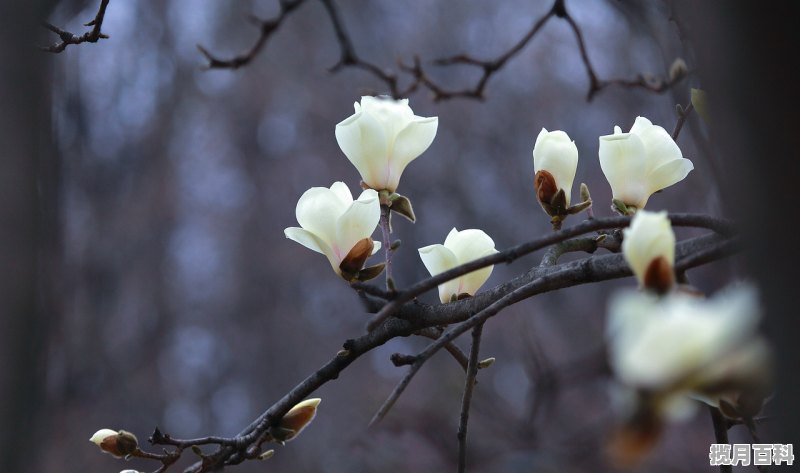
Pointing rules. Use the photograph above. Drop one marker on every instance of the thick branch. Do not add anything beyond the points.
(67, 38)
(466, 314)
(719, 225)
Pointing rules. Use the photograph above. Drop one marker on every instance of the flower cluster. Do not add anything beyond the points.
(380, 140)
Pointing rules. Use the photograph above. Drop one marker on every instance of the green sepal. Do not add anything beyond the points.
(371, 272)
(402, 206)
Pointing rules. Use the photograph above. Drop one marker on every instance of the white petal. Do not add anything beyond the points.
(622, 159)
(310, 241)
(393, 115)
(317, 211)
(438, 259)
(376, 247)
(659, 146)
(539, 137)
(468, 245)
(357, 223)
(341, 191)
(363, 140)
(410, 142)
(101, 435)
(669, 174)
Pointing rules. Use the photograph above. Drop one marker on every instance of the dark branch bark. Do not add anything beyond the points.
(469, 385)
(67, 38)
(466, 314)
(266, 28)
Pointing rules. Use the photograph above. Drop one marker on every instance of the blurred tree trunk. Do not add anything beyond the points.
(27, 224)
(748, 60)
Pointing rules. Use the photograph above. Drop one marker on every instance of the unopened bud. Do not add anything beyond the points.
(486, 363)
(119, 444)
(677, 70)
(266, 455)
(298, 418)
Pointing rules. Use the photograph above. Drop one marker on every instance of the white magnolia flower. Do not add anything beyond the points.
(641, 162)
(649, 249)
(680, 344)
(555, 154)
(459, 248)
(337, 226)
(382, 137)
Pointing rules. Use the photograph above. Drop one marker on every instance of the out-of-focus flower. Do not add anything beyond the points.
(667, 351)
(459, 248)
(640, 162)
(555, 161)
(337, 226)
(649, 249)
(298, 418)
(382, 137)
(681, 344)
(117, 443)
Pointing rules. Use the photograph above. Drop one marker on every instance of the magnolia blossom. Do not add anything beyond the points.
(555, 161)
(382, 137)
(649, 249)
(641, 162)
(677, 345)
(337, 226)
(459, 248)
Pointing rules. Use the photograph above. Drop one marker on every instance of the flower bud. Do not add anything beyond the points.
(382, 138)
(119, 444)
(649, 249)
(640, 163)
(298, 418)
(555, 162)
(459, 248)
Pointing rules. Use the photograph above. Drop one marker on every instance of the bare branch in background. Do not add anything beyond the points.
(417, 73)
(67, 38)
(266, 27)
(469, 385)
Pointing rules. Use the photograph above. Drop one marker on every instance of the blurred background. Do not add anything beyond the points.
(174, 300)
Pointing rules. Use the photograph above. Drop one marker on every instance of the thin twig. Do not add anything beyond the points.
(266, 28)
(469, 385)
(386, 230)
(682, 116)
(67, 38)
(434, 333)
(720, 434)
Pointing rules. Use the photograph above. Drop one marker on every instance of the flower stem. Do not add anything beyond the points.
(386, 229)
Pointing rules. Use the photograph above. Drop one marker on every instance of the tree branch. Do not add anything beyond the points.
(537, 281)
(469, 385)
(719, 225)
(67, 38)
(464, 315)
(348, 57)
(266, 28)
